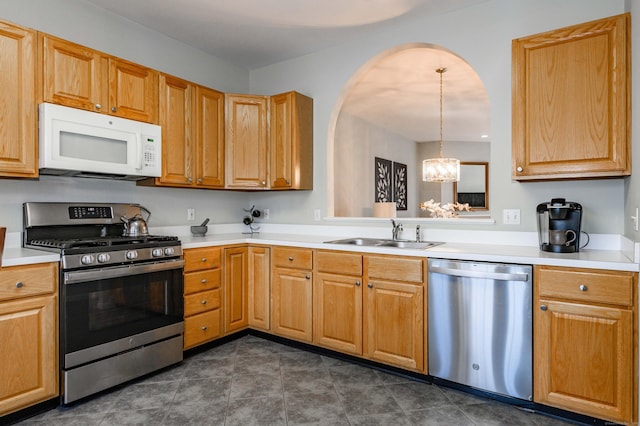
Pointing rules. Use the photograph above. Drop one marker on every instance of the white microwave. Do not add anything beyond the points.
(74, 142)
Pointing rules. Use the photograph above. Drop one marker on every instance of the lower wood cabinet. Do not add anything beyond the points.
(28, 336)
(202, 295)
(235, 288)
(292, 293)
(259, 288)
(585, 333)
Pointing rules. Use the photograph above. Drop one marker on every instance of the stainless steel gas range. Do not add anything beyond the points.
(120, 297)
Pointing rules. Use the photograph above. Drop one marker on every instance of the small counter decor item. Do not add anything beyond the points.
(449, 210)
(200, 230)
(248, 220)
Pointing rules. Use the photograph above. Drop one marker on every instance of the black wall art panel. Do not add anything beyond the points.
(390, 182)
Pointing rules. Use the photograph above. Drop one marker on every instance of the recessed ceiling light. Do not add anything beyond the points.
(484, 136)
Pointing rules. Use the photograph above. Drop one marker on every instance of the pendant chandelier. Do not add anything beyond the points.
(441, 169)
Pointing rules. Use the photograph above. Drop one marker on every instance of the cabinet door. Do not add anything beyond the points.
(133, 91)
(337, 308)
(209, 137)
(28, 353)
(177, 141)
(292, 314)
(583, 359)
(394, 323)
(259, 288)
(235, 290)
(246, 139)
(18, 121)
(571, 102)
(291, 141)
(73, 75)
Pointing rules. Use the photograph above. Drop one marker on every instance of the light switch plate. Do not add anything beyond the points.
(511, 216)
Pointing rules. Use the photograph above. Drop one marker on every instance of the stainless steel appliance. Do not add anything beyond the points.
(559, 226)
(120, 298)
(480, 325)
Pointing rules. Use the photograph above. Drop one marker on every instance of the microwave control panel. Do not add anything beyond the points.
(150, 152)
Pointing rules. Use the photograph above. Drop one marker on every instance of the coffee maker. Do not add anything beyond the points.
(559, 226)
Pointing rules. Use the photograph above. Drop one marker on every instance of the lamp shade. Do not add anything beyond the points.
(441, 170)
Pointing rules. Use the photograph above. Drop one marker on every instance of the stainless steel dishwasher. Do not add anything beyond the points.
(480, 325)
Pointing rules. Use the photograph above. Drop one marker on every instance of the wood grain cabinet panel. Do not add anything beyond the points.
(259, 287)
(18, 121)
(571, 102)
(584, 357)
(29, 335)
(235, 288)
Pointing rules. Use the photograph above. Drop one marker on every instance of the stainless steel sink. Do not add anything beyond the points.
(377, 242)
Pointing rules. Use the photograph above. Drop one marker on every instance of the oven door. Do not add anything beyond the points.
(110, 310)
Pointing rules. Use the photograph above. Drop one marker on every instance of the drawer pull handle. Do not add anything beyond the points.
(19, 284)
(204, 259)
(204, 302)
(543, 307)
(357, 283)
(583, 287)
(204, 281)
(204, 328)
(290, 258)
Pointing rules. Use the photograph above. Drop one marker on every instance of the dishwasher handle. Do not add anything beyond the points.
(502, 276)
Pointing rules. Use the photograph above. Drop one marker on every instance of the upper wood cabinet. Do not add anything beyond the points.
(246, 141)
(291, 141)
(269, 141)
(18, 121)
(79, 77)
(571, 102)
(192, 120)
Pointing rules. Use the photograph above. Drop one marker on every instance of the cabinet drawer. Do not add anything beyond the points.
(394, 268)
(296, 258)
(202, 280)
(339, 262)
(201, 302)
(29, 280)
(201, 328)
(596, 286)
(201, 258)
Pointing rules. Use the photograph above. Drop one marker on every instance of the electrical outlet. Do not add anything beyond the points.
(191, 214)
(317, 214)
(265, 214)
(511, 216)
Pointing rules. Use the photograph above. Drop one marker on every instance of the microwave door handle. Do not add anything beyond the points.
(139, 151)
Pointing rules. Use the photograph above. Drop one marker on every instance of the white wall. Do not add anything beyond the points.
(482, 36)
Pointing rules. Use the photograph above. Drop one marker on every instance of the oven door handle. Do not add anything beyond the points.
(75, 277)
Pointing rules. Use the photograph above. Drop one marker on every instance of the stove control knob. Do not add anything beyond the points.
(168, 251)
(87, 259)
(103, 257)
(157, 252)
(132, 255)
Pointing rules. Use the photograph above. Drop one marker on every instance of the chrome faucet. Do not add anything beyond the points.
(397, 228)
(418, 236)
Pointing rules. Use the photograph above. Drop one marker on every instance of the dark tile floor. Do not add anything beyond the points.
(252, 381)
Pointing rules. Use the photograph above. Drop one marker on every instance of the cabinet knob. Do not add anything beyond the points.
(370, 285)
(199, 180)
(287, 181)
(543, 307)
(290, 258)
(204, 281)
(264, 183)
(114, 109)
(204, 302)
(583, 287)
(357, 283)
(189, 179)
(519, 169)
(19, 284)
(204, 328)
(308, 276)
(204, 259)
(98, 106)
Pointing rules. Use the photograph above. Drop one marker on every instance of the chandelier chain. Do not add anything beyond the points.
(441, 71)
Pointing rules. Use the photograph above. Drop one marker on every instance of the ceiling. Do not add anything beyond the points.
(256, 33)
